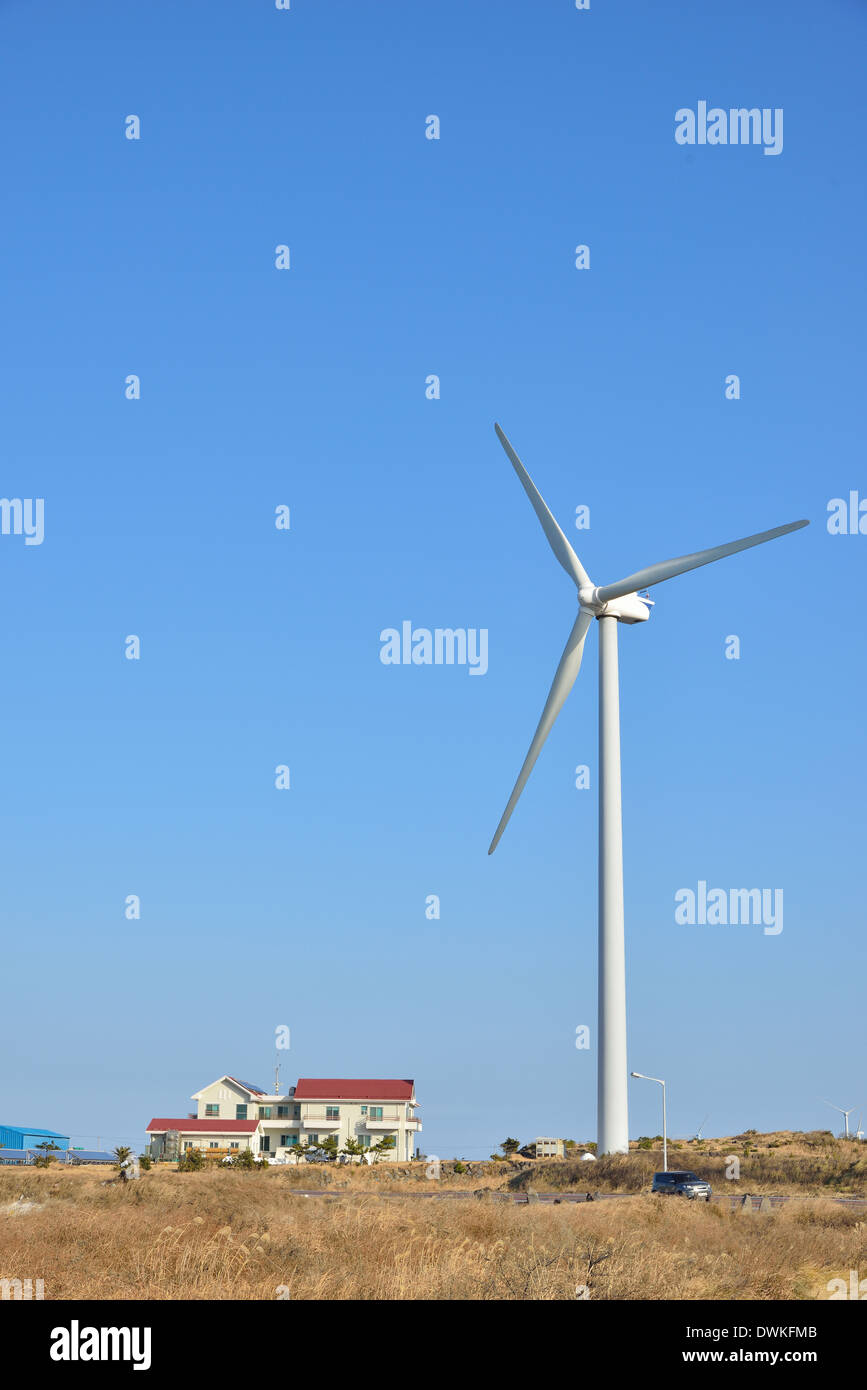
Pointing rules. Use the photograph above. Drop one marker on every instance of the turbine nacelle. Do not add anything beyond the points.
(628, 608)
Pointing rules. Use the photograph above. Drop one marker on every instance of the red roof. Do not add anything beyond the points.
(330, 1088)
(210, 1126)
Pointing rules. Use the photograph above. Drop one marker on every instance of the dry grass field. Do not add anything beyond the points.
(218, 1234)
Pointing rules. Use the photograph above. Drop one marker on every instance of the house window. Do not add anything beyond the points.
(212, 1109)
(287, 1140)
(376, 1112)
(296, 1112)
(188, 1143)
(265, 1143)
(364, 1109)
(332, 1112)
(282, 1112)
(264, 1112)
(240, 1112)
(212, 1143)
(234, 1144)
(314, 1138)
(365, 1141)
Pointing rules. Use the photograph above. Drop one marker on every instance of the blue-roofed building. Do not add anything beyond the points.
(88, 1156)
(30, 1137)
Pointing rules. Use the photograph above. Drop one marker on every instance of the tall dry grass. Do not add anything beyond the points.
(222, 1235)
(839, 1170)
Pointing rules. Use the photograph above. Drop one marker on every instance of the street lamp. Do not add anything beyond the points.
(641, 1077)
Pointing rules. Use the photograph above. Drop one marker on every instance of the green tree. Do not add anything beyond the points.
(47, 1148)
(383, 1146)
(510, 1146)
(242, 1158)
(145, 1162)
(328, 1146)
(353, 1147)
(192, 1161)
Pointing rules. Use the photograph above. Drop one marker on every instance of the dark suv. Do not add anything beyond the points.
(682, 1184)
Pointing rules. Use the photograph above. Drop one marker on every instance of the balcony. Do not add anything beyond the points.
(391, 1119)
(319, 1121)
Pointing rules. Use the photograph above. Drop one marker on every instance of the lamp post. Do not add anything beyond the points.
(641, 1077)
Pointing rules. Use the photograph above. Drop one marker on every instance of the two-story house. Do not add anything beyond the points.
(232, 1114)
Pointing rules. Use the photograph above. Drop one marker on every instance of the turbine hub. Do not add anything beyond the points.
(588, 601)
(628, 608)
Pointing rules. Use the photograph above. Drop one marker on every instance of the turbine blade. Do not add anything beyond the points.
(570, 665)
(557, 541)
(667, 569)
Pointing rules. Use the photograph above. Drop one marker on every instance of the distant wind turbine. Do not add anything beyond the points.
(844, 1113)
(611, 604)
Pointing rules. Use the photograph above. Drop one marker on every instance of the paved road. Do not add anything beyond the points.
(458, 1195)
(736, 1200)
(553, 1198)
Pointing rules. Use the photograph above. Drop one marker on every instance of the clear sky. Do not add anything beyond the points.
(306, 387)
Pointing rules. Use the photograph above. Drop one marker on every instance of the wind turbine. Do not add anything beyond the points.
(611, 604)
(844, 1113)
(697, 1134)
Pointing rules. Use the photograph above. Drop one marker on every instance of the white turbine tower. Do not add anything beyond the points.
(844, 1113)
(611, 604)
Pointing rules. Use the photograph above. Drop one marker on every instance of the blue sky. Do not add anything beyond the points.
(306, 387)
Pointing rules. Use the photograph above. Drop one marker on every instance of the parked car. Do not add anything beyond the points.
(682, 1184)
